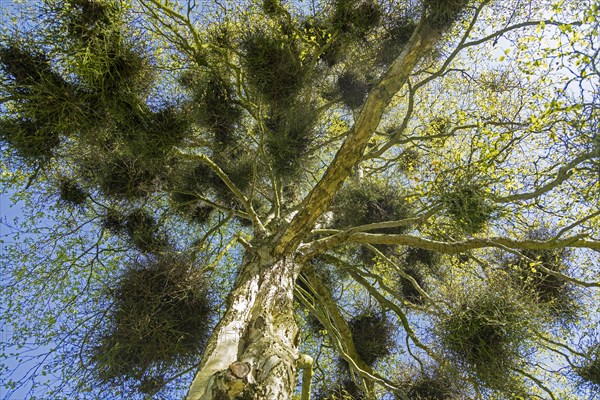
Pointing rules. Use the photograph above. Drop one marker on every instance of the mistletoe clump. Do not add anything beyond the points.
(373, 336)
(30, 140)
(417, 256)
(469, 207)
(108, 62)
(192, 182)
(113, 221)
(417, 264)
(343, 389)
(443, 13)
(538, 273)
(121, 174)
(139, 227)
(397, 35)
(407, 286)
(48, 107)
(142, 230)
(217, 109)
(160, 318)
(70, 192)
(23, 67)
(87, 18)
(353, 89)
(289, 138)
(271, 7)
(166, 128)
(273, 65)
(485, 333)
(356, 17)
(239, 166)
(429, 384)
(368, 202)
(589, 370)
(131, 164)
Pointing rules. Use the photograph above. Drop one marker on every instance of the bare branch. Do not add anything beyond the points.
(563, 174)
(234, 189)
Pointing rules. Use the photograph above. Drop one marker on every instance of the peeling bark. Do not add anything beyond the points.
(254, 349)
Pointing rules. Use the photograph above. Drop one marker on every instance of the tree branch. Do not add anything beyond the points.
(357, 276)
(344, 342)
(563, 174)
(237, 192)
(351, 151)
(321, 245)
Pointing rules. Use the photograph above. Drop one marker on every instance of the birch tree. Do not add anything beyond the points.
(311, 199)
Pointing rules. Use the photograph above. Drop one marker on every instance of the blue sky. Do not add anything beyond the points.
(8, 212)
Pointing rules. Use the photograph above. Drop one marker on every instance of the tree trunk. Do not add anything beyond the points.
(253, 351)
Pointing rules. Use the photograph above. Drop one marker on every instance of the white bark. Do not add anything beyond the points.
(254, 349)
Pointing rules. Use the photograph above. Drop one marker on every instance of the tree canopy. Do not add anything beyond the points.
(264, 199)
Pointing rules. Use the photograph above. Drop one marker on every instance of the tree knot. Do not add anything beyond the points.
(239, 369)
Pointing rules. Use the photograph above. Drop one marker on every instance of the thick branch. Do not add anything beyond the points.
(351, 151)
(344, 342)
(321, 245)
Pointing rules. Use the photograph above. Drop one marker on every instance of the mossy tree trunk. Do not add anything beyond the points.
(253, 352)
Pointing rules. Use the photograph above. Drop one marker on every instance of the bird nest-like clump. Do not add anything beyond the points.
(290, 137)
(430, 384)
(71, 193)
(442, 13)
(468, 206)
(239, 166)
(486, 333)
(417, 264)
(373, 336)
(369, 202)
(588, 371)
(189, 184)
(160, 318)
(138, 226)
(271, 7)
(52, 107)
(84, 17)
(31, 141)
(188, 205)
(133, 157)
(538, 272)
(164, 129)
(142, 229)
(417, 256)
(396, 36)
(407, 287)
(344, 389)
(215, 101)
(195, 180)
(353, 88)
(107, 61)
(274, 67)
(356, 17)
(125, 176)
(24, 67)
